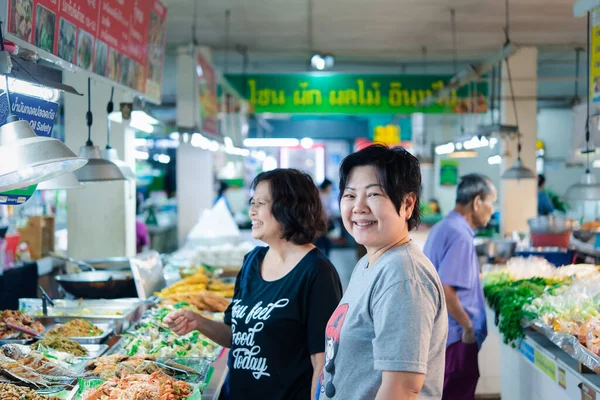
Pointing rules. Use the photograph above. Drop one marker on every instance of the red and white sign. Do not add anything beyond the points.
(123, 40)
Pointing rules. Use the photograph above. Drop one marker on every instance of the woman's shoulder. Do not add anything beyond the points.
(409, 263)
(315, 263)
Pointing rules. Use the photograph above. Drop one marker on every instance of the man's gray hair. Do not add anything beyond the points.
(471, 186)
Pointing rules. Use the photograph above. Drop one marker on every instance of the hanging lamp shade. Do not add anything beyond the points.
(27, 159)
(97, 169)
(587, 189)
(64, 182)
(112, 155)
(518, 171)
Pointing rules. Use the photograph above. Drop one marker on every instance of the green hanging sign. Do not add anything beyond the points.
(448, 172)
(320, 93)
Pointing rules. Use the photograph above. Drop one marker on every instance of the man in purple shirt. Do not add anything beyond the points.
(451, 249)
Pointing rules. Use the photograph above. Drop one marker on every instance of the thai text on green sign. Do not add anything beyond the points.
(355, 94)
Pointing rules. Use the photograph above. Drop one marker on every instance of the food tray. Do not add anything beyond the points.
(17, 341)
(94, 350)
(120, 323)
(107, 330)
(569, 344)
(85, 384)
(119, 348)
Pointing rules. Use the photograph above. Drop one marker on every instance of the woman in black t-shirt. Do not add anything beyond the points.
(284, 296)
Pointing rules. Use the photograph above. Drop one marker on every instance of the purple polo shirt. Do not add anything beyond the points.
(451, 249)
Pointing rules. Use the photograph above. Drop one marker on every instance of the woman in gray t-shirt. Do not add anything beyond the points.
(387, 338)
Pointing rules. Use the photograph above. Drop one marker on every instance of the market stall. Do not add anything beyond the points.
(547, 320)
(78, 349)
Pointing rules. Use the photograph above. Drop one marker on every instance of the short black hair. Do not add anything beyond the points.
(541, 180)
(296, 204)
(325, 184)
(471, 186)
(398, 172)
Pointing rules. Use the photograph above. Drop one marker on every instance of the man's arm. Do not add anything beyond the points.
(400, 385)
(459, 314)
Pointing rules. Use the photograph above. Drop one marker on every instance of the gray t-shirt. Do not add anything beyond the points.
(392, 318)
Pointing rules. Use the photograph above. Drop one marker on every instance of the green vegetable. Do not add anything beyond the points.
(194, 337)
(508, 300)
(181, 304)
(181, 353)
(157, 348)
(133, 350)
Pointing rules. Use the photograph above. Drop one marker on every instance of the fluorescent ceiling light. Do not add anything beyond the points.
(269, 164)
(30, 89)
(141, 155)
(28, 159)
(444, 148)
(307, 143)
(271, 142)
(495, 160)
(475, 143)
(139, 120)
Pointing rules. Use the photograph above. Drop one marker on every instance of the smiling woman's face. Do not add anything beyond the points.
(264, 225)
(368, 213)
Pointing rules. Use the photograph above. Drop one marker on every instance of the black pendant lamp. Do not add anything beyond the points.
(518, 171)
(110, 153)
(97, 169)
(587, 189)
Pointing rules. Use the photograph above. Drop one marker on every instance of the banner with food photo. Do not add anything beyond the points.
(123, 41)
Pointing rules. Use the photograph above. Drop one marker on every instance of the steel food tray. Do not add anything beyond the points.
(107, 330)
(120, 323)
(17, 341)
(94, 350)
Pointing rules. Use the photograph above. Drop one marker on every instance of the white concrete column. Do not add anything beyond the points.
(195, 183)
(100, 216)
(518, 199)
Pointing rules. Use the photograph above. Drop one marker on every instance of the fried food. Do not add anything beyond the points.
(203, 300)
(75, 328)
(17, 318)
(119, 366)
(36, 361)
(64, 344)
(590, 226)
(13, 392)
(141, 387)
(15, 371)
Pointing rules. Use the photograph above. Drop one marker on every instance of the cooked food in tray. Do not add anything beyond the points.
(19, 319)
(17, 372)
(119, 365)
(199, 280)
(75, 328)
(13, 392)
(65, 345)
(36, 361)
(203, 301)
(140, 387)
(159, 342)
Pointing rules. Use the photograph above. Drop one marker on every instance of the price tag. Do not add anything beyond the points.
(546, 365)
(562, 378)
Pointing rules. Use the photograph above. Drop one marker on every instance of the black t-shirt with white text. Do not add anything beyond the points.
(277, 325)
